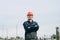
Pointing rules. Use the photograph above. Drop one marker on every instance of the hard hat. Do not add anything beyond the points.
(30, 14)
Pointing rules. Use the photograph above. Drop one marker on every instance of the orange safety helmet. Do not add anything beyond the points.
(30, 14)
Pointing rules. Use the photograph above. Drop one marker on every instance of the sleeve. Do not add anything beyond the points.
(26, 28)
(24, 25)
(35, 28)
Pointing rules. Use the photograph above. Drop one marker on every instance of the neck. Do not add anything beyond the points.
(30, 20)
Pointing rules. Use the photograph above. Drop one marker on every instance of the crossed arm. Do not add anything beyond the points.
(31, 29)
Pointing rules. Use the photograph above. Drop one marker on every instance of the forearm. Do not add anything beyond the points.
(34, 29)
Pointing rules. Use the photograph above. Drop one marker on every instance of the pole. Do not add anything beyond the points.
(7, 33)
(57, 33)
(17, 27)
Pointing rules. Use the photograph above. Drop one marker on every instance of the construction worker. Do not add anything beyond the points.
(31, 27)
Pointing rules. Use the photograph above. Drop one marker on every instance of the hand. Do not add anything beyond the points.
(35, 25)
(28, 27)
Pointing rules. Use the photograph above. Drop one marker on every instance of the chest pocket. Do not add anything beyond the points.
(31, 24)
(28, 24)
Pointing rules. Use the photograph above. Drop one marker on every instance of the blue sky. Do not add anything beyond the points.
(13, 13)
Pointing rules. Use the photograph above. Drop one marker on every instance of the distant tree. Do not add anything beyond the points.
(6, 39)
(17, 37)
(12, 38)
(1, 38)
(53, 36)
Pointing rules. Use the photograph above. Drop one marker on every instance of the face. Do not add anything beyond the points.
(29, 17)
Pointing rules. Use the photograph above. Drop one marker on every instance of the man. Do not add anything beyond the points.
(31, 27)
